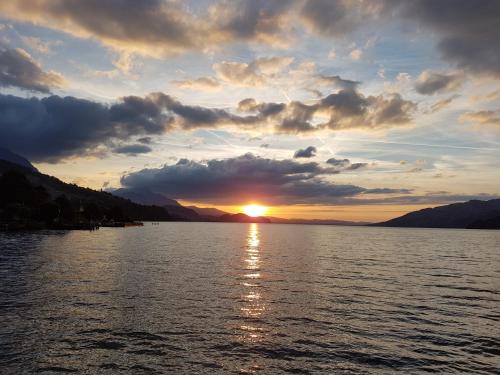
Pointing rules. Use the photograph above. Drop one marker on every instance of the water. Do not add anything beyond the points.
(186, 298)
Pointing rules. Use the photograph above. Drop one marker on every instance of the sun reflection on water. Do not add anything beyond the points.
(253, 307)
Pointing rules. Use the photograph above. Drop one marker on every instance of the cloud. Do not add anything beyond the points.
(355, 166)
(202, 84)
(489, 97)
(145, 140)
(429, 83)
(337, 82)
(345, 109)
(38, 44)
(246, 178)
(158, 27)
(350, 109)
(442, 104)
(356, 54)
(253, 74)
(339, 162)
(345, 164)
(307, 152)
(468, 31)
(149, 27)
(18, 69)
(133, 150)
(482, 117)
(54, 128)
(331, 18)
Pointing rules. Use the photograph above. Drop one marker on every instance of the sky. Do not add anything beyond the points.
(352, 110)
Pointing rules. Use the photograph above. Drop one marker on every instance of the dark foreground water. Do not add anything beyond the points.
(187, 298)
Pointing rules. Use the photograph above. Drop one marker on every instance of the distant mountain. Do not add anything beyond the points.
(279, 220)
(144, 196)
(471, 214)
(242, 218)
(147, 197)
(207, 211)
(16, 159)
(183, 212)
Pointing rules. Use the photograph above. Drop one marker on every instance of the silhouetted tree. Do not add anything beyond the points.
(116, 214)
(16, 188)
(66, 211)
(92, 212)
(48, 212)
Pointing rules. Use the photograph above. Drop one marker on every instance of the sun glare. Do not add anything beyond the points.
(254, 210)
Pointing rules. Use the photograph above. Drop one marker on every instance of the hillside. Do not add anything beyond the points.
(471, 214)
(84, 196)
(16, 159)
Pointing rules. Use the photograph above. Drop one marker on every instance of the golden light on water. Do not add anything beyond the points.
(253, 306)
(254, 210)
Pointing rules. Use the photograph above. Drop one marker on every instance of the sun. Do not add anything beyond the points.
(254, 210)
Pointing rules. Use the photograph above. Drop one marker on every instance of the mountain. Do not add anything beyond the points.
(183, 213)
(16, 159)
(147, 197)
(279, 220)
(81, 197)
(471, 214)
(207, 211)
(242, 218)
(144, 196)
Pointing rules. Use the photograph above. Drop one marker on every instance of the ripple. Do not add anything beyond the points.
(188, 298)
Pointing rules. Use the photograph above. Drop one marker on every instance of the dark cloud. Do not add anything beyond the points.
(145, 140)
(430, 83)
(330, 17)
(307, 152)
(18, 69)
(55, 128)
(157, 27)
(244, 178)
(133, 150)
(468, 31)
(348, 109)
(345, 164)
(151, 26)
(339, 162)
(345, 109)
(355, 166)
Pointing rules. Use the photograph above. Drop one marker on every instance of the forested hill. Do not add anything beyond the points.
(472, 214)
(41, 191)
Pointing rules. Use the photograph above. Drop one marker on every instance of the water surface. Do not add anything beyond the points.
(250, 298)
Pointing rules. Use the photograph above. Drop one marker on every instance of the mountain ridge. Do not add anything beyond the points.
(470, 214)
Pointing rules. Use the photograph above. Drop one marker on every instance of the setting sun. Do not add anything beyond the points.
(254, 210)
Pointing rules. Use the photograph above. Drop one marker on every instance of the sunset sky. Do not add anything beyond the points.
(354, 110)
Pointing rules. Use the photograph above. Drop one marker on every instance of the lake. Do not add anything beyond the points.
(188, 298)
